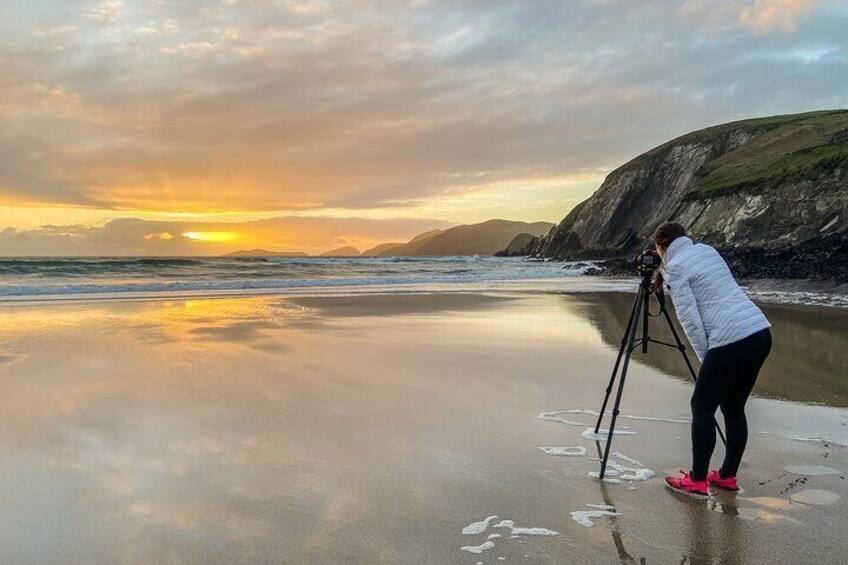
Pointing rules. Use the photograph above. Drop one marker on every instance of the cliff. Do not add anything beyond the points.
(764, 190)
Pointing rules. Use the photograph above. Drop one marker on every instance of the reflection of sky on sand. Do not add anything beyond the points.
(240, 430)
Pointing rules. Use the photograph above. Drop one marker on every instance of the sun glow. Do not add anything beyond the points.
(215, 236)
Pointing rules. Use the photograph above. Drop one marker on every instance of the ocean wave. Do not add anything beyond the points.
(66, 276)
(56, 266)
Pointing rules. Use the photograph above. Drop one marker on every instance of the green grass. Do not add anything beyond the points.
(788, 149)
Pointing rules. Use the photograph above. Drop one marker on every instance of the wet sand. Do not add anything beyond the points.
(373, 429)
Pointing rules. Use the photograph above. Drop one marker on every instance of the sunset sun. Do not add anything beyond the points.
(212, 236)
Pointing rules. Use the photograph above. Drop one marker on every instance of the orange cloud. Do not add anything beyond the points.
(766, 16)
(130, 236)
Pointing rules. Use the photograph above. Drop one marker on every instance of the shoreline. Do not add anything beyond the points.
(802, 293)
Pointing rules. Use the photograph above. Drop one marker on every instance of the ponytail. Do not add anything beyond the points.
(663, 236)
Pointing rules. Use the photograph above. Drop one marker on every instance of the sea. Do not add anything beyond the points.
(67, 277)
(26, 279)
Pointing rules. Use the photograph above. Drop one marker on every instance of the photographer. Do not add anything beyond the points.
(732, 339)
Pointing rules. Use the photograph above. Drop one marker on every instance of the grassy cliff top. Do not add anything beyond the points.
(791, 149)
(786, 148)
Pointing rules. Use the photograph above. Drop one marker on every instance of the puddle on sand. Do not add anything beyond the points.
(760, 515)
(815, 497)
(771, 502)
(811, 470)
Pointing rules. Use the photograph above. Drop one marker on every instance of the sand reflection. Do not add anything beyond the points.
(309, 431)
(808, 363)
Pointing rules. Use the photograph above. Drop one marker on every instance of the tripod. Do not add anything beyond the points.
(629, 342)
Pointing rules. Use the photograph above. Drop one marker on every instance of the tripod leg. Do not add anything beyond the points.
(682, 349)
(631, 339)
(617, 363)
(646, 303)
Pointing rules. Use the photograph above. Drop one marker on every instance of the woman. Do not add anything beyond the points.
(731, 338)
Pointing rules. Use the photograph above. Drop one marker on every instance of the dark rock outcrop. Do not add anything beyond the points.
(520, 246)
(771, 193)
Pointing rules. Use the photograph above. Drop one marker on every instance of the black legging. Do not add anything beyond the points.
(725, 380)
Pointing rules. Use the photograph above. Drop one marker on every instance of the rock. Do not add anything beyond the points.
(770, 193)
(520, 246)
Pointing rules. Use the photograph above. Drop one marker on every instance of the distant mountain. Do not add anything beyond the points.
(346, 251)
(265, 253)
(381, 249)
(422, 237)
(475, 239)
(410, 247)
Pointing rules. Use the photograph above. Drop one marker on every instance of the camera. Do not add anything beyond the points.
(647, 262)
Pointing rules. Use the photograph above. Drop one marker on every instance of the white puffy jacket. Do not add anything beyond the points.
(711, 307)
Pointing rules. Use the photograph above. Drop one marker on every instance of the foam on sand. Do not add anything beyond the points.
(616, 472)
(585, 517)
(609, 476)
(624, 457)
(478, 527)
(635, 475)
(521, 531)
(533, 532)
(576, 451)
(478, 548)
(516, 532)
(556, 416)
(603, 434)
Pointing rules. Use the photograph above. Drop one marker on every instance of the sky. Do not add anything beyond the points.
(305, 125)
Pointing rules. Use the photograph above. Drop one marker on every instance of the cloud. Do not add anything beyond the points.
(712, 15)
(264, 106)
(766, 16)
(107, 11)
(131, 236)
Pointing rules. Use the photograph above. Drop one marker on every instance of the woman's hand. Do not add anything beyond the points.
(657, 282)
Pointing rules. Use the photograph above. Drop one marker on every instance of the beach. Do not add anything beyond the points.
(376, 427)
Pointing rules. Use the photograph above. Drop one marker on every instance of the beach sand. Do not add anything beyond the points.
(374, 429)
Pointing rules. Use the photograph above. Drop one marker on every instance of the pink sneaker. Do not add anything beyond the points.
(686, 485)
(730, 483)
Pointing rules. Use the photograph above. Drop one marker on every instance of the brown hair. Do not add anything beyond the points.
(668, 232)
(663, 236)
